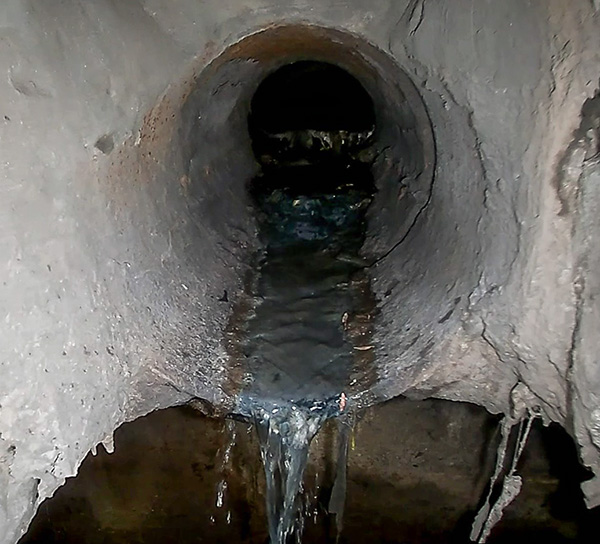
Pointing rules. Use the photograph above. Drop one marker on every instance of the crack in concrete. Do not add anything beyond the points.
(408, 231)
(405, 23)
(415, 26)
(479, 155)
(489, 342)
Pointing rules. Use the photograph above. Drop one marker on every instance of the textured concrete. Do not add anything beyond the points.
(123, 160)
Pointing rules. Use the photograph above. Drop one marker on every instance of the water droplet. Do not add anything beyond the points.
(221, 489)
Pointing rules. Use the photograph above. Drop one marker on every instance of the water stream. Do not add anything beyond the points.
(301, 352)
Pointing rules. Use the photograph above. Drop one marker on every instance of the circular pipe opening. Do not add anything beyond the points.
(229, 133)
(213, 154)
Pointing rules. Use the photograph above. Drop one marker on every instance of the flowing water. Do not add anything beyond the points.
(303, 350)
(285, 433)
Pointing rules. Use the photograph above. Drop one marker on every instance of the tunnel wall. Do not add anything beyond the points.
(114, 258)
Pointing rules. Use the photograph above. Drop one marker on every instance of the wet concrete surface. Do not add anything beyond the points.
(416, 472)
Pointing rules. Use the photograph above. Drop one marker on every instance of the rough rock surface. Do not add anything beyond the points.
(123, 216)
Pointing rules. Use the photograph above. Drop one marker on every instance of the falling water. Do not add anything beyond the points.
(225, 468)
(285, 434)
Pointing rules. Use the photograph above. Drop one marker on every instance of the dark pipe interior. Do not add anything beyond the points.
(311, 94)
(310, 112)
(309, 122)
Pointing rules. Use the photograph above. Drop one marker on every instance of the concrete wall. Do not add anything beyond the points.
(121, 225)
